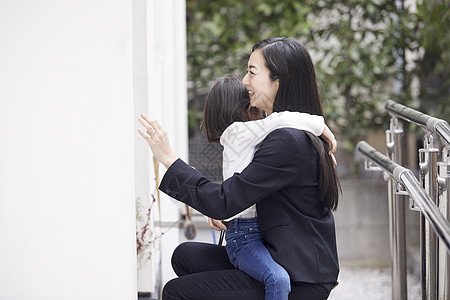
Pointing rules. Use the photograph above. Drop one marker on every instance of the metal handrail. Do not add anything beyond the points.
(405, 176)
(432, 124)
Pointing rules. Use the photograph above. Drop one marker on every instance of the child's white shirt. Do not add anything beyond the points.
(240, 141)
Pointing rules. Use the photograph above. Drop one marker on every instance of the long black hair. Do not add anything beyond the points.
(290, 62)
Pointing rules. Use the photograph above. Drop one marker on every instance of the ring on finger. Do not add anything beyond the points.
(151, 133)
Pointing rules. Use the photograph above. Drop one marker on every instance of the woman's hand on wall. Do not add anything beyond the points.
(158, 140)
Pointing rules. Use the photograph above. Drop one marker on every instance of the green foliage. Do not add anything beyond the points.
(355, 62)
(220, 34)
(434, 66)
(361, 50)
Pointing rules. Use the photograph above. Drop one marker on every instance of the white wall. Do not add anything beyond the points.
(67, 226)
(167, 96)
(144, 175)
(159, 70)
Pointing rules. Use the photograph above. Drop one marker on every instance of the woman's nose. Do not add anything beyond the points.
(245, 80)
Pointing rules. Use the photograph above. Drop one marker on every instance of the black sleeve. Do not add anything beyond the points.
(274, 166)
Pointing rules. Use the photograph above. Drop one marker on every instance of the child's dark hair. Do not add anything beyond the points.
(227, 102)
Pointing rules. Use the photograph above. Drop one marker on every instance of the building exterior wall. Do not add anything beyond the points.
(67, 228)
(362, 224)
(160, 92)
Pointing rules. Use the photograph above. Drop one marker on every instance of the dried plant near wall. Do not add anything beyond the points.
(146, 237)
(144, 233)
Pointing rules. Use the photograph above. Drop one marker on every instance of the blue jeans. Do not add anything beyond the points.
(247, 252)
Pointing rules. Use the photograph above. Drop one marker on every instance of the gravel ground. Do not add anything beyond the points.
(369, 284)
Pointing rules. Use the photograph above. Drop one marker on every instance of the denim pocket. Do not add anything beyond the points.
(252, 236)
(231, 248)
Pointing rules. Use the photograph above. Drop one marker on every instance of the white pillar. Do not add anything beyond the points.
(167, 95)
(145, 184)
(67, 227)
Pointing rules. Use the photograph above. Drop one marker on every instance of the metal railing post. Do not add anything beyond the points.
(443, 180)
(431, 124)
(396, 204)
(428, 178)
(435, 265)
(414, 189)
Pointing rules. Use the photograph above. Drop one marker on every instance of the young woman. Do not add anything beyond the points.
(228, 120)
(291, 179)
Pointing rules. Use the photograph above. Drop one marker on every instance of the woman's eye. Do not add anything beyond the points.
(251, 72)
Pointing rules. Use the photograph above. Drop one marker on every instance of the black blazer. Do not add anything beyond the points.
(282, 180)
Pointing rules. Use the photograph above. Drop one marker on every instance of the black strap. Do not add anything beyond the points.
(222, 234)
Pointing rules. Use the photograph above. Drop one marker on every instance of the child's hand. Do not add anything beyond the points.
(334, 159)
(329, 137)
(216, 224)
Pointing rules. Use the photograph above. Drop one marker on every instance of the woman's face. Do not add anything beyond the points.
(262, 90)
